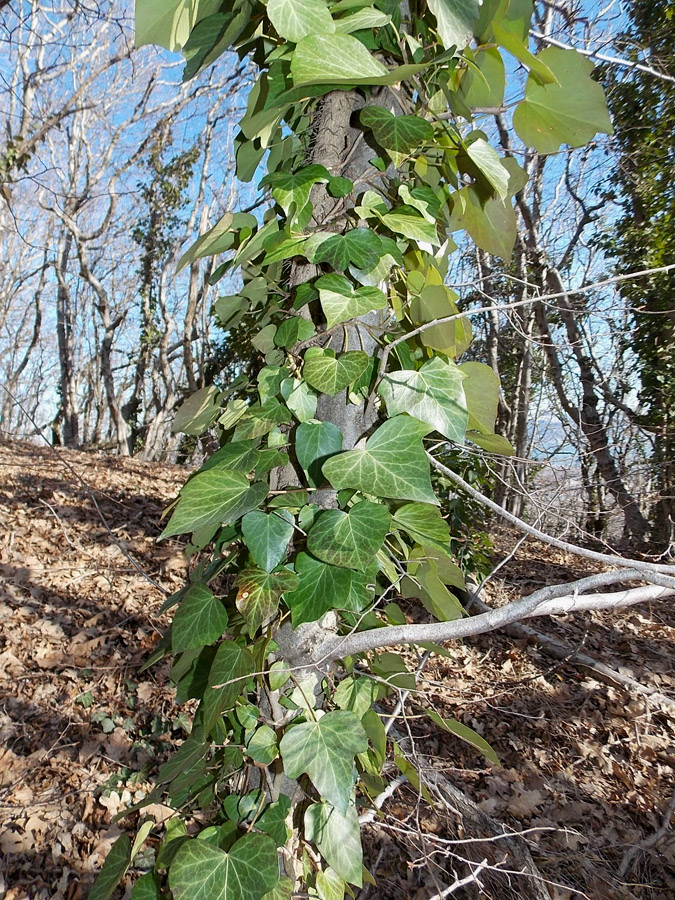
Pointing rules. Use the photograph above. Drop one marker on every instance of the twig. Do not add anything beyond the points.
(648, 842)
(456, 885)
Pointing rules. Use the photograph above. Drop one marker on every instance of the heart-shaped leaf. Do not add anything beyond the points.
(455, 20)
(214, 497)
(258, 594)
(340, 302)
(359, 247)
(295, 19)
(338, 838)
(333, 59)
(248, 871)
(329, 375)
(424, 524)
(434, 395)
(407, 221)
(315, 442)
(201, 619)
(349, 539)
(325, 751)
(393, 464)
(399, 133)
(267, 536)
(323, 587)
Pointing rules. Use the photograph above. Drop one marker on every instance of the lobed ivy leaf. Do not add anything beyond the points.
(335, 59)
(321, 587)
(338, 837)
(267, 536)
(292, 331)
(393, 464)
(325, 750)
(259, 592)
(296, 19)
(200, 620)
(350, 539)
(329, 375)
(434, 394)
(248, 871)
(340, 302)
(214, 497)
(359, 247)
(424, 524)
(399, 133)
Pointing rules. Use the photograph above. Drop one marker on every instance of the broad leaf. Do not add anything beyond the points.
(356, 695)
(352, 538)
(261, 419)
(146, 888)
(292, 331)
(321, 587)
(393, 464)
(424, 524)
(169, 24)
(214, 497)
(262, 745)
(296, 19)
(283, 890)
(325, 751)
(487, 161)
(217, 239)
(292, 191)
(227, 678)
(334, 59)
(196, 413)
(399, 133)
(315, 443)
(570, 112)
(267, 536)
(258, 594)
(201, 871)
(340, 302)
(114, 869)
(492, 224)
(406, 220)
(338, 838)
(456, 20)
(481, 388)
(359, 247)
(238, 455)
(493, 443)
(434, 395)
(436, 301)
(368, 17)
(329, 375)
(300, 399)
(200, 620)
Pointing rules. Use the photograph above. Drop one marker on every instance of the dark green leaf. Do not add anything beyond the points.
(424, 524)
(214, 497)
(114, 869)
(227, 679)
(399, 133)
(203, 872)
(329, 375)
(350, 539)
(359, 247)
(322, 587)
(258, 594)
(201, 619)
(292, 331)
(314, 444)
(267, 537)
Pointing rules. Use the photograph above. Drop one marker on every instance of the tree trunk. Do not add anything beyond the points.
(69, 415)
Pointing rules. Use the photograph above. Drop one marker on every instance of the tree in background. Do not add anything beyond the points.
(643, 109)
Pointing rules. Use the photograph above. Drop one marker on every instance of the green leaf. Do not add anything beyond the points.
(217, 239)
(424, 524)
(321, 587)
(360, 247)
(487, 161)
(114, 869)
(267, 537)
(338, 837)
(283, 890)
(292, 191)
(350, 539)
(393, 464)
(329, 885)
(293, 330)
(481, 388)
(196, 413)
(493, 443)
(262, 745)
(146, 888)
(356, 695)
(200, 620)
(259, 593)
(204, 39)
(340, 187)
(299, 399)
(492, 225)
(233, 455)
(399, 133)
(325, 750)
(516, 46)
(333, 58)
(203, 872)
(407, 221)
(260, 419)
(436, 301)
(231, 667)
(169, 24)
(296, 19)
(456, 20)
(434, 395)
(329, 375)
(314, 444)
(570, 112)
(466, 734)
(340, 302)
(476, 91)
(214, 497)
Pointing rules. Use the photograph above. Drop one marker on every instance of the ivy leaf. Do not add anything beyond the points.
(231, 666)
(465, 734)
(434, 395)
(214, 497)
(300, 399)
(339, 187)
(234, 455)
(314, 444)
(262, 747)
(321, 587)
(201, 871)
(292, 331)
(487, 161)
(424, 524)
(356, 695)
(260, 419)
(114, 869)
(200, 620)
(350, 539)
(292, 191)
(325, 751)
(168, 25)
(258, 594)
(267, 536)
(393, 464)
(329, 375)
(407, 221)
(399, 133)
(295, 19)
(283, 890)
(481, 389)
(340, 302)
(493, 443)
(436, 301)
(335, 59)
(360, 247)
(492, 225)
(338, 838)
(456, 20)
(570, 112)
(196, 413)
(146, 888)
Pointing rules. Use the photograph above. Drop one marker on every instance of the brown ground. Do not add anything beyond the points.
(587, 769)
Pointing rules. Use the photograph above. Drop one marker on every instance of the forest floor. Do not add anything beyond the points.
(587, 769)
